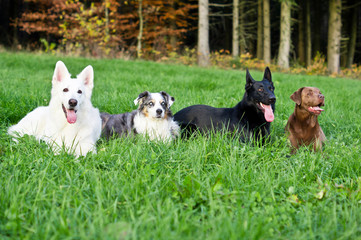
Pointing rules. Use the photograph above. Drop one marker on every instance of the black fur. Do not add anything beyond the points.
(246, 117)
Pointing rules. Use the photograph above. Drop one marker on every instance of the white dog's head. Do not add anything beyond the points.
(71, 92)
(155, 105)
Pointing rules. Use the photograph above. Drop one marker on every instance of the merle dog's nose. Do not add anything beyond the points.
(73, 102)
(159, 111)
(272, 100)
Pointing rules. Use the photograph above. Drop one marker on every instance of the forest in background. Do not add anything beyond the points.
(314, 37)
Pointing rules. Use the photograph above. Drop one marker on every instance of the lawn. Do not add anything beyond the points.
(207, 187)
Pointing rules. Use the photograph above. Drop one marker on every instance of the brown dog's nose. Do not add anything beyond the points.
(321, 96)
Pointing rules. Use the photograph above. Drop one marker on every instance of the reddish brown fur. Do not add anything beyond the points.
(302, 125)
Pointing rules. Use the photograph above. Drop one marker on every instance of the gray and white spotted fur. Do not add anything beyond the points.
(153, 118)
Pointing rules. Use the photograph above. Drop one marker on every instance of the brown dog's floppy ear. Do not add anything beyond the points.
(142, 95)
(296, 96)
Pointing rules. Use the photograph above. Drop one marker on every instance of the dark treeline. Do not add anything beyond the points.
(172, 26)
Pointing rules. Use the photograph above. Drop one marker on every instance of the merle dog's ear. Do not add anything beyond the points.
(168, 98)
(142, 95)
(296, 96)
(267, 74)
(249, 80)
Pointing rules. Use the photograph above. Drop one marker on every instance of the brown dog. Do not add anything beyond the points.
(302, 125)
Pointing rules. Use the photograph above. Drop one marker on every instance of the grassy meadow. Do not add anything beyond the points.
(207, 187)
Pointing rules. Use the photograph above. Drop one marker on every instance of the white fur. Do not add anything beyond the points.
(50, 124)
(156, 129)
(164, 129)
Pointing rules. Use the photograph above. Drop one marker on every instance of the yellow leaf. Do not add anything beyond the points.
(320, 194)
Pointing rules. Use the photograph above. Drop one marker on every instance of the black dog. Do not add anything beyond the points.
(251, 117)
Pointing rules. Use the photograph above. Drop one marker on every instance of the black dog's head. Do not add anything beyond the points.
(261, 94)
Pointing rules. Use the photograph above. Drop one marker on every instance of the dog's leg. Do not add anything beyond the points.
(317, 145)
(294, 144)
(84, 149)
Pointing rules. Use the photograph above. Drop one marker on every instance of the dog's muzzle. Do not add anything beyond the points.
(159, 113)
(73, 102)
(70, 114)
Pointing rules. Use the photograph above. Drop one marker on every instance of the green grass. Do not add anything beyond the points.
(203, 188)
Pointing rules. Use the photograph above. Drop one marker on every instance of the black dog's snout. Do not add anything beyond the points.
(272, 100)
(73, 102)
(159, 111)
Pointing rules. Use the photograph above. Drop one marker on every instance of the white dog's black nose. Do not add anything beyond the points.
(73, 102)
(159, 111)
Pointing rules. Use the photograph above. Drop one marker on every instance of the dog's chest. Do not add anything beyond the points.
(154, 129)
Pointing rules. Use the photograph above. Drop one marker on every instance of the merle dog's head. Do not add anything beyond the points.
(155, 105)
(261, 94)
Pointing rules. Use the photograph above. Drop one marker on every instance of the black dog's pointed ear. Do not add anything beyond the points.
(267, 74)
(249, 80)
(168, 98)
(296, 96)
(142, 95)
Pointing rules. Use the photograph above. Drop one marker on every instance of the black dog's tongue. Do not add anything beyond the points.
(268, 113)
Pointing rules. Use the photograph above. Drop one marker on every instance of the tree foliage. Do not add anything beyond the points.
(162, 29)
(109, 26)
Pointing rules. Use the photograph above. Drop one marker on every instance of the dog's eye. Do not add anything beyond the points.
(80, 92)
(151, 104)
(260, 89)
(65, 90)
(163, 104)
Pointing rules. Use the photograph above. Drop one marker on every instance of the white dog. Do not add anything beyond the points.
(70, 121)
(153, 118)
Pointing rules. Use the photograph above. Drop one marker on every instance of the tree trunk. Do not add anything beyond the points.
(308, 34)
(106, 8)
(317, 25)
(266, 32)
(285, 35)
(352, 41)
(173, 26)
(301, 44)
(203, 29)
(235, 39)
(260, 30)
(334, 36)
(140, 34)
(242, 33)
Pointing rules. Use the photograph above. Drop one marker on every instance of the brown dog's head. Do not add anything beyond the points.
(310, 99)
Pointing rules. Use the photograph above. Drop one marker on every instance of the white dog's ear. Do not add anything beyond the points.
(142, 95)
(87, 75)
(168, 97)
(60, 72)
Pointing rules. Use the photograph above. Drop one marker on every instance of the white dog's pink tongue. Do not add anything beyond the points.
(268, 113)
(70, 116)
